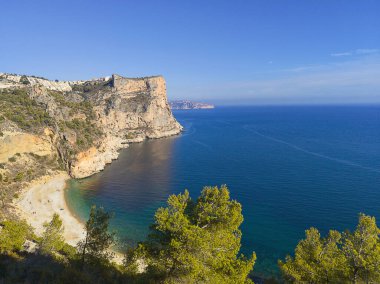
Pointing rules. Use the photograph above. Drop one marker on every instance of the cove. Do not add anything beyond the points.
(290, 167)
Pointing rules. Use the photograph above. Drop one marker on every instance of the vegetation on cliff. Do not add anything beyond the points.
(17, 106)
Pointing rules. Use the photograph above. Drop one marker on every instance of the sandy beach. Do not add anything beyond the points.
(44, 197)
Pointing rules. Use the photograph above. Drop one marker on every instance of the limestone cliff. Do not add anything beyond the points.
(78, 126)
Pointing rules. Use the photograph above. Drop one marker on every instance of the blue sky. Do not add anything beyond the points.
(227, 52)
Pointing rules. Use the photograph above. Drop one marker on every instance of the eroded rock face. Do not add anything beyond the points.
(129, 111)
(24, 143)
(92, 120)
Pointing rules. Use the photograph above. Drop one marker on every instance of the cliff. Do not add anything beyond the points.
(77, 126)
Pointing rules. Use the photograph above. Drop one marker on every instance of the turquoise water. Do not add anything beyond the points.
(290, 167)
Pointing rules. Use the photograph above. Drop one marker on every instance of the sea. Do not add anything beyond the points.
(291, 168)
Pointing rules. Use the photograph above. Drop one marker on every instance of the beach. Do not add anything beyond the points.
(44, 197)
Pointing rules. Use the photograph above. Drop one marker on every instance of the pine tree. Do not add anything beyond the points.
(198, 241)
(362, 251)
(98, 239)
(316, 260)
(52, 238)
(339, 258)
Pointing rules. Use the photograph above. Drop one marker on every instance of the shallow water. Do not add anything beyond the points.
(290, 167)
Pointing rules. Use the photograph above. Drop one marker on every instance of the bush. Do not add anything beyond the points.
(24, 80)
(19, 177)
(13, 235)
(25, 112)
(12, 159)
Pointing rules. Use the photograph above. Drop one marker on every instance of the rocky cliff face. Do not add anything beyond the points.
(79, 125)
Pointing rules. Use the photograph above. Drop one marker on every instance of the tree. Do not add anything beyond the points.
(13, 235)
(339, 258)
(362, 251)
(198, 241)
(52, 238)
(316, 260)
(98, 240)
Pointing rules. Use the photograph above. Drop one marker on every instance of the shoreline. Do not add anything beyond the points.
(45, 196)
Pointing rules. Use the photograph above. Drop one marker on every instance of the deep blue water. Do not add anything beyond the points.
(290, 167)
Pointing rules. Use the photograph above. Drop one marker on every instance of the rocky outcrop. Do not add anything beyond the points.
(13, 143)
(87, 121)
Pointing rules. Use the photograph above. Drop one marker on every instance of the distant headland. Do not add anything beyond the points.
(185, 104)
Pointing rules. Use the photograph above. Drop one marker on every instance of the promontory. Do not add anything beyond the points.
(75, 126)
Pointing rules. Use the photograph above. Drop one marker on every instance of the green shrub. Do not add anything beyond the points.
(25, 112)
(1, 177)
(13, 235)
(12, 159)
(129, 136)
(19, 177)
(24, 80)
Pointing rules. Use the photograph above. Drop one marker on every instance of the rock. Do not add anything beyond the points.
(90, 120)
(13, 143)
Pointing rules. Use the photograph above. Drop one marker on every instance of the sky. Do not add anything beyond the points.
(225, 52)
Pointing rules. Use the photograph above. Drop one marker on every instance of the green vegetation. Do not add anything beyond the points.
(24, 80)
(52, 238)
(25, 112)
(95, 246)
(91, 87)
(86, 132)
(12, 159)
(84, 107)
(191, 241)
(19, 177)
(130, 135)
(197, 242)
(13, 235)
(338, 258)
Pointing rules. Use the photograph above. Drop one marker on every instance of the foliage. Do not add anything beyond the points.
(13, 235)
(25, 112)
(86, 132)
(339, 258)
(198, 241)
(24, 80)
(75, 107)
(362, 251)
(19, 177)
(52, 238)
(12, 159)
(98, 240)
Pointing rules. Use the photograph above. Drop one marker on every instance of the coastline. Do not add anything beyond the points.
(45, 196)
